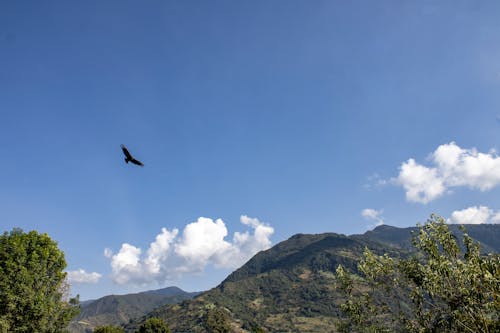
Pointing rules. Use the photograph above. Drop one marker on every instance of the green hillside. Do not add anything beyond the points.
(291, 287)
(120, 309)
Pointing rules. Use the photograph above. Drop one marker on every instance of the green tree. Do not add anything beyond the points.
(154, 325)
(33, 286)
(108, 329)
(443, 287)
(258, 329)
(217, 320)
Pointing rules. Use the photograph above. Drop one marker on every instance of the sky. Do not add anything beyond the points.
(255, 120)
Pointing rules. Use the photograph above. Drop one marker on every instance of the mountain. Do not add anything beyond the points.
(486, 234)
(120, 309)
(290, 287)
(169, 291)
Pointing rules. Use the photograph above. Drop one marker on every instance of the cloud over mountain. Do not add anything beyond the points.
(373, 215)
(201, 243)
(475, 215)
(453, 166)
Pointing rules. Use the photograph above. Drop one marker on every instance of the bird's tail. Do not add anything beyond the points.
(126, 160)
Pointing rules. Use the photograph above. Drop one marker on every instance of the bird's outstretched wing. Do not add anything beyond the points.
(127, 154)
(133, 160)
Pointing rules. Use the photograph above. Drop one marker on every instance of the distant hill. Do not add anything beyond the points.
(290, 287)
(168, 291)
(120, 309)
(486, 234)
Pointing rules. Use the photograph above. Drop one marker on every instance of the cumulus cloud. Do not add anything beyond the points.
(475, 215)
(81, 276)
(373, 215)
(158, 250)
(453, 166)
(201, 243)
(126, 264)
(422, 184)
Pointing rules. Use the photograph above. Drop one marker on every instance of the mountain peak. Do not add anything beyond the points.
(167, 291)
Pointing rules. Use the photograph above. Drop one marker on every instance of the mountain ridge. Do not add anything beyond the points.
(291, 287)
(401, 237)
(120, 309)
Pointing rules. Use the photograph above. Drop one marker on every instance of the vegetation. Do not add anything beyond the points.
(108, 329)
(286, 288)
(257, 329)
(33, 287)
(217, 321)
(440, 288)
(293, 286)
(120, 309)
(154, 325)
(382, 281)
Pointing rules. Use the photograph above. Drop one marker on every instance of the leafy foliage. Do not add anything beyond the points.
(33, 287)
(108, 329)
(439, 289)
(217, 321)
(257, 329)
(154, 325)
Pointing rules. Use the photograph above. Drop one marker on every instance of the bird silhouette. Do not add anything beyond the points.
(129, 157)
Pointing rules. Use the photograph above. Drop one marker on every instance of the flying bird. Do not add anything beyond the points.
(129, 157)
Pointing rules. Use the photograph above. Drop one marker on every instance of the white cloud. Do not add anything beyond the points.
(129, 266)
(158, 250)
(453, 167)
(422, 184)
(374, 215)
(475, 215)
(467, 167)
(126, 264)
(80, 276)
(245, 244)
(201, 243)
(495, 218)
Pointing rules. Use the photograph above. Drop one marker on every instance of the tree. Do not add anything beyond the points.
(108, 329)
(217, 320)
(258, 329)
(154, 325)
(445, 286)
(33, 285)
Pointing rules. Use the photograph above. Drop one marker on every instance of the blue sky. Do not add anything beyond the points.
(276, 117)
